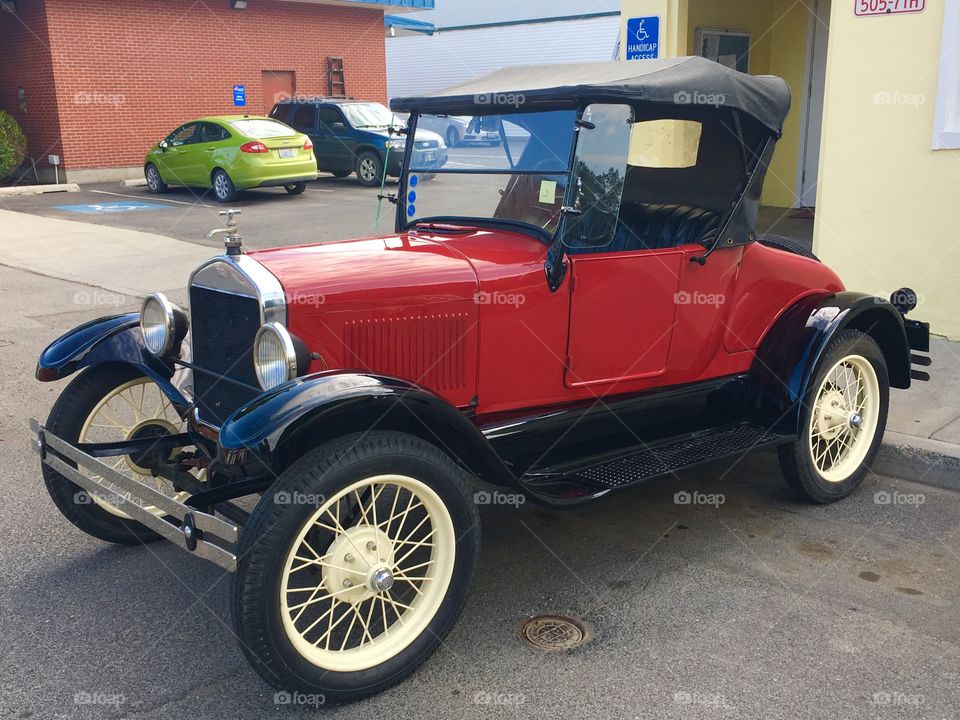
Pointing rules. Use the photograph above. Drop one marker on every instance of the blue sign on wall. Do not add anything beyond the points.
(643, 38)
(239, 95)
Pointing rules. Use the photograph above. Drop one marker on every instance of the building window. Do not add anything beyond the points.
(727, 47)
(946, 124)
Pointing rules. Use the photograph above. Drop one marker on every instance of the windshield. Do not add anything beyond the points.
(369, 115)
(515, 170)
(263, 128)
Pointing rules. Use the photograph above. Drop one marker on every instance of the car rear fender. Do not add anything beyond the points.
(115, 338)
(283, 424)
(792, 348)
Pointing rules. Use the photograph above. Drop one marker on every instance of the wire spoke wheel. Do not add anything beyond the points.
(367, 573)
(843, 423)
(137, 409)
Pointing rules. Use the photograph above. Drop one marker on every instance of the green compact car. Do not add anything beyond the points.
(230, 153)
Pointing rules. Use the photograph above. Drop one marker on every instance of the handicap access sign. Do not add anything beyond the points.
(113, 207)
(643, 38)
(239, 95)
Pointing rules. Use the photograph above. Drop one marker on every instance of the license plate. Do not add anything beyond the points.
(287, 152)
(429, 156)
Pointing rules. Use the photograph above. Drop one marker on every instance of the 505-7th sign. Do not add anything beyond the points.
(888, 7)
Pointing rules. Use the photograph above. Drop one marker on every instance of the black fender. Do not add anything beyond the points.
(792, 348)
(115, 338)
(282, 424)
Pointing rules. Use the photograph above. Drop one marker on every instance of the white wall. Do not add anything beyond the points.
(421, 65)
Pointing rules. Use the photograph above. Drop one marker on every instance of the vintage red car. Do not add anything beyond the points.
(578, 308)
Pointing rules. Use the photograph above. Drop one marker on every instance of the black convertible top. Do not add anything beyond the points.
(681, 81)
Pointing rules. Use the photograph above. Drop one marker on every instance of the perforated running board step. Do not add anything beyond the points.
(677, 455)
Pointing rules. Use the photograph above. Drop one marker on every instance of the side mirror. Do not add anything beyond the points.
(163, 144)
(338, 127)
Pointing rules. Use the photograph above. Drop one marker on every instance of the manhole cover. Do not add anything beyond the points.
(553, 632)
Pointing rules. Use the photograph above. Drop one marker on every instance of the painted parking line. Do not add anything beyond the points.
(137, 197)
(112, 207)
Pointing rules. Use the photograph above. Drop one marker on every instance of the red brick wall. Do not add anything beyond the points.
(25, 62)
(129, 71)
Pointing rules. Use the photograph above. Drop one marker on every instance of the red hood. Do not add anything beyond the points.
(358, 274)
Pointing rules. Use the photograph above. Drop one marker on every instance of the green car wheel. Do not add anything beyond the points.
(223, 189)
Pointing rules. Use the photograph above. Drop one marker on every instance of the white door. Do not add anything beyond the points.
(813, 120)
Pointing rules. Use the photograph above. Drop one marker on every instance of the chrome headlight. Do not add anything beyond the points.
(274, 356)
(158, 323)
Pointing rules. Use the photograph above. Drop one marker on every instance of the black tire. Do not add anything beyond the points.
(155, 183)
(223, 187)
(796, 459)
(369, 169)
(295, 188)
(274, 527)
(780, 242)
(66, 420)
(453, 137)
(341, 173)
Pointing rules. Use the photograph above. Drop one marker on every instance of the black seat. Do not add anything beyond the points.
(649, 227)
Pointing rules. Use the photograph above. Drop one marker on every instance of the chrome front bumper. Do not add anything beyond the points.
(182, 525)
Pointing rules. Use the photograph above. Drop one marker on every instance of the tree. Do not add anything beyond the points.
(13, 144)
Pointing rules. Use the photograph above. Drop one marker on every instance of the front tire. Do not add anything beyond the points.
(453, 137)
(355, 565)
(295, 188)
(155, 183)
(369, 169)
(842, 421)
(106, 403)
(223, 187)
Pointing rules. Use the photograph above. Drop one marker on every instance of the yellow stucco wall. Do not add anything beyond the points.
(886, 202)
(778, 32)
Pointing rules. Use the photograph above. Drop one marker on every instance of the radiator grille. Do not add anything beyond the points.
(427, 349)
(223, 327)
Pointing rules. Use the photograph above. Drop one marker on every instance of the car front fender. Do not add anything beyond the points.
(282, 424)
(792, 348)
(115, 338)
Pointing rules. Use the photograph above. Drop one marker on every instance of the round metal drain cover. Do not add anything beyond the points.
(553, 632)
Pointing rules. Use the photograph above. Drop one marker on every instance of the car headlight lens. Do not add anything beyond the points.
(396, 144)
(158, 323)
(274, 356)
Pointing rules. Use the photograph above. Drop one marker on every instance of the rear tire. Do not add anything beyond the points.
(453, 137)
(223, 188)
(155, 183)
(780, 242)
(369, 169)
(295, 188)
(841, 422)
(336, 508)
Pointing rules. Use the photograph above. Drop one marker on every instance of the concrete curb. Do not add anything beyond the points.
(136, 182)
(39, 189)
(918, 459)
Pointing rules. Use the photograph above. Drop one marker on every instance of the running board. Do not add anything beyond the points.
(573, 483)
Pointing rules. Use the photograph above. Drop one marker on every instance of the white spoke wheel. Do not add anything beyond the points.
(378, 582)
(842, 420)
(355, 564)
(110, 403)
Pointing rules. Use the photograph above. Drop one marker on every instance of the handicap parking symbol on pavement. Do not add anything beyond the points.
(113, 207)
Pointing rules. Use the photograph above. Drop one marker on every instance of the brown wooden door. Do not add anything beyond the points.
(277, 85)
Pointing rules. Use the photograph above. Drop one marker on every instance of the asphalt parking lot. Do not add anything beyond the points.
(749, 606)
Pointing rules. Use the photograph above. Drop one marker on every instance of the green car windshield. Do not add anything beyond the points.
(518, 174)
(369, 115)
(262, 129)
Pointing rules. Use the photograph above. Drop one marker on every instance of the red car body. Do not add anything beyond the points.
(468, 315)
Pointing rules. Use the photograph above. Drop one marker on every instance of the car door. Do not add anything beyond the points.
(208, 151)
(177, 159)
(623, 298)
(334, 140)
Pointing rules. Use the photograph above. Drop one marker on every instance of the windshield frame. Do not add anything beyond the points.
(404, 224)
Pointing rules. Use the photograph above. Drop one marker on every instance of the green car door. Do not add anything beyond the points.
(178, 164)
(209, 151)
